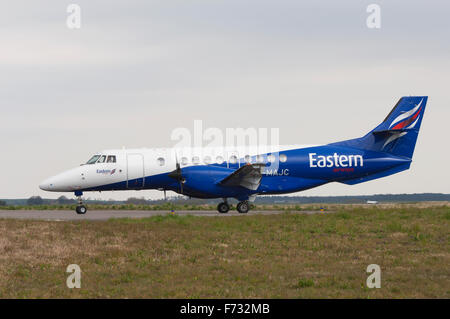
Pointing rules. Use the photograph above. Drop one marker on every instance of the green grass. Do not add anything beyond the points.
(289, 255)
(166, 206)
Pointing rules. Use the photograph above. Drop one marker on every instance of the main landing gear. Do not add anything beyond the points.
(243, 207)
(223, 208)
(80, 209)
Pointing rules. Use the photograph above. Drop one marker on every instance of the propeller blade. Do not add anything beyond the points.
(176, 174)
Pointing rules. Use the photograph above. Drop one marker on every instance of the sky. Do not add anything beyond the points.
(136, 70)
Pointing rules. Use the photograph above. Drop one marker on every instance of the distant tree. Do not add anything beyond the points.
(2, 203)
(35, 200)
(63, 200)
(136, 201)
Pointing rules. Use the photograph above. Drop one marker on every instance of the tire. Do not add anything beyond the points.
(243, 207)
(223, 208)
(81, 209)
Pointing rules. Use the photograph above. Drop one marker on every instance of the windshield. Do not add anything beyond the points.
(93, 159)
(102, 159)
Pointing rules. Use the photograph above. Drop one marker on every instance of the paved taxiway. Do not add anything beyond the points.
(107, 214)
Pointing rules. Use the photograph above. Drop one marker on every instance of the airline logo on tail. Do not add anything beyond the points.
(408, 118)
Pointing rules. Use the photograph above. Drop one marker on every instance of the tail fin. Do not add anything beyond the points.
(397, 134)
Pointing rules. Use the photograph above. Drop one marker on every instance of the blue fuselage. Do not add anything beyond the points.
(300, 169)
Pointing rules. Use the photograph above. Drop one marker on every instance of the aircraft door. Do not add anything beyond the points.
(135, 171)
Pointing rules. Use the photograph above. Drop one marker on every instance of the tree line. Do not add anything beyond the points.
(183, 200)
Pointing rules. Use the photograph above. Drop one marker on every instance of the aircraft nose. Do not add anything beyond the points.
(65, 182)
(46, 185)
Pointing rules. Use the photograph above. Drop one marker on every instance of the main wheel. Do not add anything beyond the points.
(223, 208)
(81, 209)
(243, 207)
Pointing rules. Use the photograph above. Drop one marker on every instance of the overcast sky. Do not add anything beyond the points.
(138, 69)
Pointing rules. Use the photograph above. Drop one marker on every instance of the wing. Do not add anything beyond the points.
(248, 176)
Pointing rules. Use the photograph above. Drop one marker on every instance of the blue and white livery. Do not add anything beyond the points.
(242, 174)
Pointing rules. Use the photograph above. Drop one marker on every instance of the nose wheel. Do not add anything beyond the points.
(80, 209)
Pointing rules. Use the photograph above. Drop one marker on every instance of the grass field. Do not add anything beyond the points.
(290, 255)
(169, 206)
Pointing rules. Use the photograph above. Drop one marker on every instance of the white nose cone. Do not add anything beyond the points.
(47, 185)
(65, 182)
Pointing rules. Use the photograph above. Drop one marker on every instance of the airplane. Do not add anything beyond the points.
(230, 173)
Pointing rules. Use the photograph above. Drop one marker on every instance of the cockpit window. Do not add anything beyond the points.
(111, 159)
(102, 159)
(93, 159)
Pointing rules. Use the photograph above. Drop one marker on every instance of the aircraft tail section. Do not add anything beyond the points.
(397, 134)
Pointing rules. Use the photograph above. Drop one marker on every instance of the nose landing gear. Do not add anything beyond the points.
(80, 209)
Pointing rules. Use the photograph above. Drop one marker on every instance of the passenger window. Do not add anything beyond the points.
(248, 158)
(184, 161)
(102, 159)
(260, 159)
(161, 161)
(233, 159)
(219, 159)
(271, 158)
(283, 158)
(196, 160)
(111, 159)
(207, 159)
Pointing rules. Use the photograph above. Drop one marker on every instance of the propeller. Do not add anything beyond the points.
(177, 175)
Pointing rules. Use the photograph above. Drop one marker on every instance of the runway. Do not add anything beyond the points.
(60, 215)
